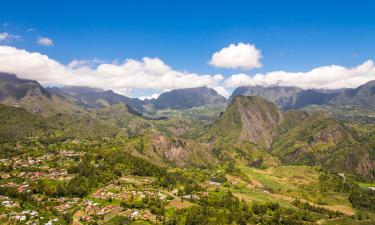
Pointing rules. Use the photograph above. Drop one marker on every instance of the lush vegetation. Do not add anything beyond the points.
(101, 162)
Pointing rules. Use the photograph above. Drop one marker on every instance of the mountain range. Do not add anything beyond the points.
(252, 130)
(294, 97)
(32, 96)
(188, 98)
(87, 97)
(294, 137)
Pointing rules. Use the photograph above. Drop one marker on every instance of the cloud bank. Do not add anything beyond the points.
(153, 75)
(148, 73)
(329, 77)
(243, 56)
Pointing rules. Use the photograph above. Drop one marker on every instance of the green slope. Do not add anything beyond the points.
(321, 140)
(16, 123)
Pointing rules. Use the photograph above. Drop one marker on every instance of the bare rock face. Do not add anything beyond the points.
(248, 119)
(259, 120)
(365, 165)
(30, 95)
(179, 152)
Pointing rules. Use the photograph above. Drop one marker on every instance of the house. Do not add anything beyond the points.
(134, 214)
(214, 183)
(86, 218)
(20, 218)
(22, 188)
(9, 204)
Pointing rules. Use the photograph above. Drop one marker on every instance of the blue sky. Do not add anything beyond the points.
(293, 36)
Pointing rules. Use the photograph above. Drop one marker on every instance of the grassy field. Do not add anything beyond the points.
(284, 184)
(366, 185)
(344, 221)
(260, 197)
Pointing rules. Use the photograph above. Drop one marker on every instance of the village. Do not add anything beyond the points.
(27, 176)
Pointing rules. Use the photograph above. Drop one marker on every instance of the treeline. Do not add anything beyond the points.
(362, 198)
(225, 208)
(333, 182)
(359, 197)
(313, 208)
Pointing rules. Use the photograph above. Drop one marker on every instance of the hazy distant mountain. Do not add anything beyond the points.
(313, 97)
(94, 97)
(13, 87)
(176, 99)
(284, 97)
(188, 98)
(35, 98)
(30, 95)
(362, 96)
(294, 97)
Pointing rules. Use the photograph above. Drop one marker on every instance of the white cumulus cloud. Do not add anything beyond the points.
(148, 73)
(45, 41)
(243, 56)
(329, 77)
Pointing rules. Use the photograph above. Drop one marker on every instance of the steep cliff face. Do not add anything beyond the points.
(95, 98)
(248, 119)
(177, 152)
(13, 90)
(188, 98)
(284, 97)
(259, 119)
(30, 95)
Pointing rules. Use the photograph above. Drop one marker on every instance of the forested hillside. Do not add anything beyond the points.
(94, 159)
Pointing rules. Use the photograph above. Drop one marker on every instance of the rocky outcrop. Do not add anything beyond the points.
(248, 119)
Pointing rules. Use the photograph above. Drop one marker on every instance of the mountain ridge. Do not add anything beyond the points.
(251, 119)
(188, 98)
(36, 98)
(291, 97)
